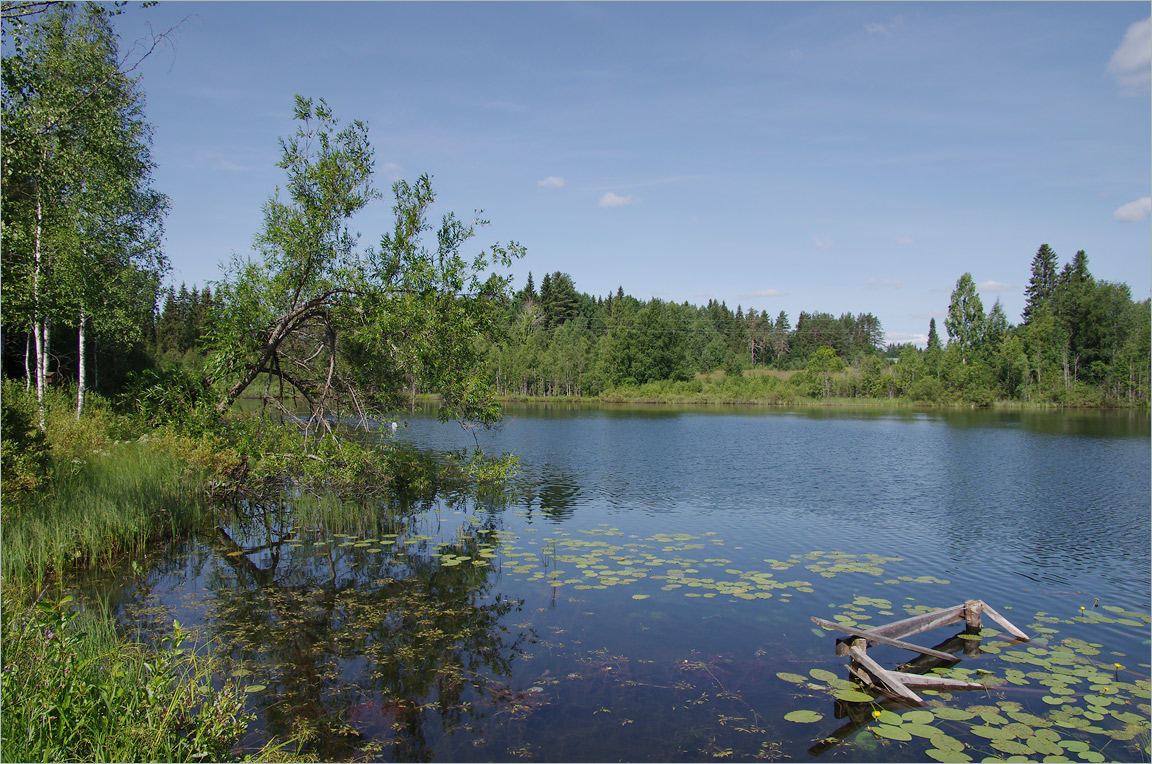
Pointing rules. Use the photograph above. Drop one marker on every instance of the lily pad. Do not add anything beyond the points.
(891, 732)
(947, 756)
(946, 742)
(1012, 747)
(918, 717)
(853, 696)
(803, 717)
(794, 678)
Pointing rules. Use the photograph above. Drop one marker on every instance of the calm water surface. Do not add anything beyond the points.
(647, 596)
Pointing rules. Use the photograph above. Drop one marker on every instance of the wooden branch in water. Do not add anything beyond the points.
(924, 680)
(919, 623)
(883, 677)
(1005, 623)
(872, 636)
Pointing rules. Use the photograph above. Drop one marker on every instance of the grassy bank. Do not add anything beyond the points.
(73, 690)
(87, 492)
(769, 387)
(80, 495)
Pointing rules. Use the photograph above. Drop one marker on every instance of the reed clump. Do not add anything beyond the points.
(85, 492)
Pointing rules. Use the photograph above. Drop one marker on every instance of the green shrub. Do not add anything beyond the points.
(73, 691)
(23, 448)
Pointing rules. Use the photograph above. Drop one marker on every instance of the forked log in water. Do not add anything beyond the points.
(897, 683)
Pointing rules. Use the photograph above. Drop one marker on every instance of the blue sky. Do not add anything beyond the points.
(782, 156)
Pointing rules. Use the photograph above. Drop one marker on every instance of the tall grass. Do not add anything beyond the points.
(72, 690)
(100, 505)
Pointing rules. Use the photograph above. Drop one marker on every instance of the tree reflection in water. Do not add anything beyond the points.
(367, 642)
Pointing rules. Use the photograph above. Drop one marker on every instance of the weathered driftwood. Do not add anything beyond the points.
(872, 636)
(919, 623)
(882, 676)
(1004, 622)
(896, 683)
(926, 680)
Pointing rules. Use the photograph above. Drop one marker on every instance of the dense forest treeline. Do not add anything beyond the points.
(1081, 341)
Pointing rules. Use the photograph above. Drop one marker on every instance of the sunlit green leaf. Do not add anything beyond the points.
(891, 732)
(803, 717)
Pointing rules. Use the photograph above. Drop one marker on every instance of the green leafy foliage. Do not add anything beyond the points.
(1086, 343)
(82, 224)
(73, 691)
(349, 331)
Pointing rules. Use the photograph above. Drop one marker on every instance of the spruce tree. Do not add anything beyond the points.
(1042, 283)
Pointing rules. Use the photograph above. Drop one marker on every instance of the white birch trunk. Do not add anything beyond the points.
(28, 360)
(81, 375)
(37, 329)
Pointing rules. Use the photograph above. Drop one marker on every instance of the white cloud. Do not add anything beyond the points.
(1131, 63)
(821, 243)
(615, 200)
(994, 286)
(764, 293)
(877, 283)
(884, 29)
(891, 338)
(904, 241)
(1134, 212)
(392, 170)
(552, 181)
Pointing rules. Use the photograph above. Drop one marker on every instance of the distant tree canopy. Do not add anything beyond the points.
(346, 331)
(1087, 342)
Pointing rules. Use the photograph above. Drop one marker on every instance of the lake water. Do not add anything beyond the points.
(647, 595)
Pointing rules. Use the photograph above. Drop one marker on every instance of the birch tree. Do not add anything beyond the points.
(82, 224)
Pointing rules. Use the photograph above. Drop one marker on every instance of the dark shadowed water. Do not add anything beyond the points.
(647, 596)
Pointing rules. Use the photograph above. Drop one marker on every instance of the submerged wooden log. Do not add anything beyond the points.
(924, 680)
(872, 636)
(883, 677)
(919, 623)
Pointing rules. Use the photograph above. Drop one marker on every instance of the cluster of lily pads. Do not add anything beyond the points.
(604, 557)
(1072, 703)
(1051, 699)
